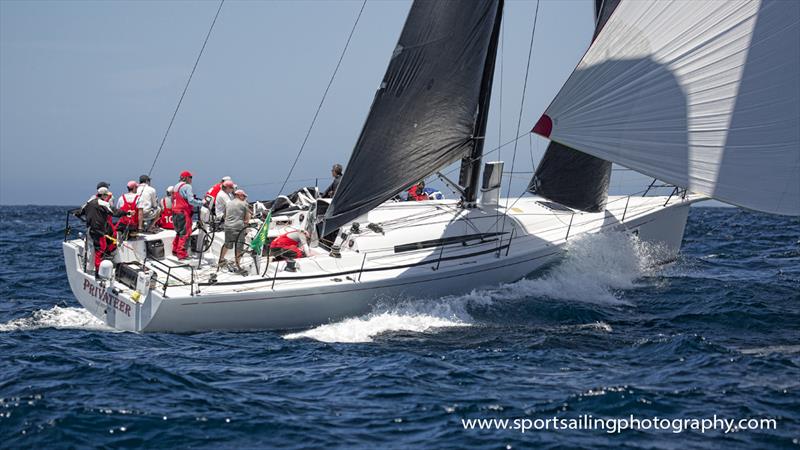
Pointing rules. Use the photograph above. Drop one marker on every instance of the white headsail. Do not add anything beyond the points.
(703, 94)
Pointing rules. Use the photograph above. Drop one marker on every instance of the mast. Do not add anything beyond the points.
(471, 162)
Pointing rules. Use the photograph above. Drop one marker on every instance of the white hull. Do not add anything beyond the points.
(326, 289)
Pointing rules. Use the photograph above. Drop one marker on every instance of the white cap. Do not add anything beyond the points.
(170, 189)
(102, 190)
(226, 178)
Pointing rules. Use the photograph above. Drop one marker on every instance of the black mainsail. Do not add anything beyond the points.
(570, 177)
(430, 109)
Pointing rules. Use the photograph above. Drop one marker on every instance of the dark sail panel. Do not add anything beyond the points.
(426, 111)
(570, 177)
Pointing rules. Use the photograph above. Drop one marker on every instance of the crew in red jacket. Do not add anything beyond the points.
(165, 220)
(289, 245)
(129, 202)
(183, 203)
(417, 192)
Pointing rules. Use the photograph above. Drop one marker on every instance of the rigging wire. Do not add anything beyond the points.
(496, 149)
(185, 88)
(319, 108)
(530, 148)
(521, 107)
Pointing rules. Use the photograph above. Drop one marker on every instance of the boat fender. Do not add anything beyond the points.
(106, 270)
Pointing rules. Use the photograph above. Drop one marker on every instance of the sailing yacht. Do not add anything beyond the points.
(701, 95)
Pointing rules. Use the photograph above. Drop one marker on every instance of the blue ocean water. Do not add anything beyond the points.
(600, 333)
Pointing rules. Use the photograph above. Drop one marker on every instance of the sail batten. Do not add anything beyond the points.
(704, 95)
(425, 113)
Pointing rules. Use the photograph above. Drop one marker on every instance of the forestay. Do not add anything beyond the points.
(426, 110)
(702, 94)
(570, 177)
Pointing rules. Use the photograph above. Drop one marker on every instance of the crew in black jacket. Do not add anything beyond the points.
(336, 171)
(99, 213)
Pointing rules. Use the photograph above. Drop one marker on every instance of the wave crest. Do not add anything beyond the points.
(56, 317)
(593, 270)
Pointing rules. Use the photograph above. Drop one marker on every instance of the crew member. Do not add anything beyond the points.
(290, 245)
(224, 196)
(100, 226)
(81, 212)
(237, 216)
(165, 220)
(183, 203)
(336, 171)
(213, 191)
(130, 202)
(417, 192)
(149, 203)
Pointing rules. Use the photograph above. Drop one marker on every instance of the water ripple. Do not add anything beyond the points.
(716, 333)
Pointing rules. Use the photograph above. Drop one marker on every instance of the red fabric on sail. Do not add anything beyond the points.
(544, 126)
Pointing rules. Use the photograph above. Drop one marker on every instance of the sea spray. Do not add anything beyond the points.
(593, 268)
(416, 315)
(56, 317)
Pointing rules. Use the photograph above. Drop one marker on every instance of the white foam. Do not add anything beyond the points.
(408, 315)
(56, 317)
(363, 329)
(593, 269)
(596, 326)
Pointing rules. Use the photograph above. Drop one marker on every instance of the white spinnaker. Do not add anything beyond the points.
(703, 94)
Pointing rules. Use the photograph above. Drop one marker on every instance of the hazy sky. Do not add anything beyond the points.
(87, 89)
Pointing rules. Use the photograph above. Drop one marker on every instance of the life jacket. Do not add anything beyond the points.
(179, 204)
(211, 195)
(165, 221)
(129, 206)
(284, 241)
(415, 195)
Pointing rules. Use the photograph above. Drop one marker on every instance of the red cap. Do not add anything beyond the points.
(186, 174)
